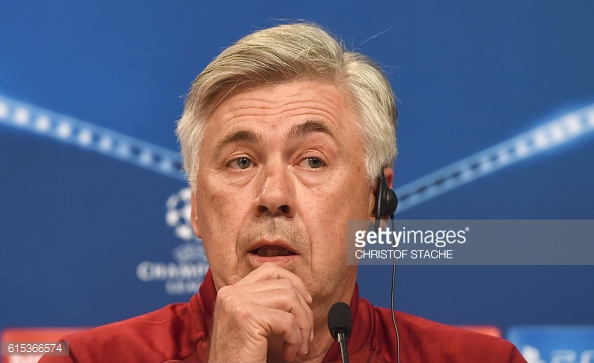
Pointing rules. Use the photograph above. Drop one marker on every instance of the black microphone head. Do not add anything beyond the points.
(340, 318)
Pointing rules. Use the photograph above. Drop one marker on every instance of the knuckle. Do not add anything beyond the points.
(286, 284)
(293, 296)
(226, 299)
(269, 266)
(241, 313)
(233, 308)
(223, 295)
(291, 321)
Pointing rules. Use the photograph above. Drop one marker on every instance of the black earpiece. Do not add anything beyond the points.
(386, 203)
(386, 200)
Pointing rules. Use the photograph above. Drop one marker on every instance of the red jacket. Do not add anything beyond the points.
(179, 333)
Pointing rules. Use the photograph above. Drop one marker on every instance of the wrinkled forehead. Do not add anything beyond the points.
(288, 111)
(212, 100)
(319, 101)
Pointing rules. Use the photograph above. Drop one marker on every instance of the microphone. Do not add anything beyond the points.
(340, 324)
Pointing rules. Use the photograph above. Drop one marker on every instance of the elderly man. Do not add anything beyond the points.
(284, 136)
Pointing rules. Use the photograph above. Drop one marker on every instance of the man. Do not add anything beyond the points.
(283, 136)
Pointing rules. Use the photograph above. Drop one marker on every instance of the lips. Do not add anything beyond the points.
(272, 251)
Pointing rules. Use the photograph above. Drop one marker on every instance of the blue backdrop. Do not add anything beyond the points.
(92, 207)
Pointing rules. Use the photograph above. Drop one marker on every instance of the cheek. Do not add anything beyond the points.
(216, 216)
(218, 200)
(329, 212)
(347, 198)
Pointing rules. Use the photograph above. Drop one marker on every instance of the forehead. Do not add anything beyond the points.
(282, 105)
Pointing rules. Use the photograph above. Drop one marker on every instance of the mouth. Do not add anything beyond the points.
(272, 251)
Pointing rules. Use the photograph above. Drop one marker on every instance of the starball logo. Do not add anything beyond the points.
(186, 273)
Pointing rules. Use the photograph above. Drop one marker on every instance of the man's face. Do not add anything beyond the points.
(281, 171)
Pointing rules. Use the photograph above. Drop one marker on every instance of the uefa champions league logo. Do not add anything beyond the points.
(178, 214)
(186, 274)
(179, 208)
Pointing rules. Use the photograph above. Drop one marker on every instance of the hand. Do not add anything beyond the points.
(268, 301)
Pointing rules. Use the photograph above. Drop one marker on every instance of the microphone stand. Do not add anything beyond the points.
(341, 337)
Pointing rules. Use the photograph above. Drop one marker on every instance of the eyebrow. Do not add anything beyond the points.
(238, 136)
(296, 132)
(308, 127)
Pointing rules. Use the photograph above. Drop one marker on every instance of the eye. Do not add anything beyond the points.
(240, 163)
(313, 163)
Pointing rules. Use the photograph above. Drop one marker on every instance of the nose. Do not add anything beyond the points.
(276, 194)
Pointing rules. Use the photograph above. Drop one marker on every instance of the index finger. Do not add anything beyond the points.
(271, 271)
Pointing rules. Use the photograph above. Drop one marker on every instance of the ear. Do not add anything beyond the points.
(194, 217)
(389, 174)
(372, 196)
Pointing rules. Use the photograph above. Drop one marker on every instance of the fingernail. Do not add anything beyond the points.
(311, 336)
